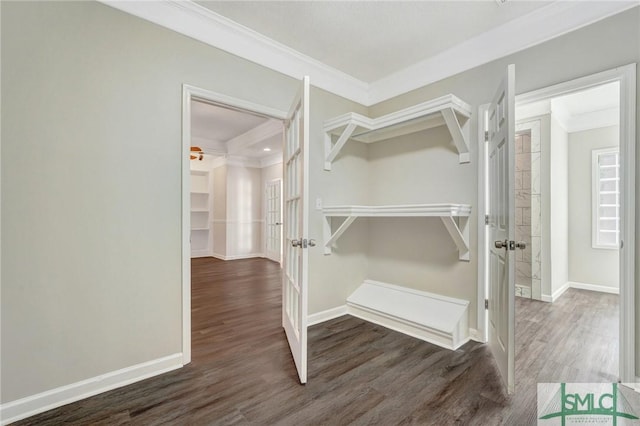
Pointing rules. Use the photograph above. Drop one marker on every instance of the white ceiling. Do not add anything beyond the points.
(370, 40)
(221, 132)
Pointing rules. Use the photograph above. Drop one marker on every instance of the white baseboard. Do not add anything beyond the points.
(329, 314)
(237, 256)
(200, 253)
(475, 336)
(594, 287)
(582, 286)
(556, 294)
(44, 401)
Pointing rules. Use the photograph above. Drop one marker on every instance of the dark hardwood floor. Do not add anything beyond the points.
(359, 373)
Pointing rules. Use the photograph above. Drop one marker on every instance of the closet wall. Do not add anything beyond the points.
(419, 168)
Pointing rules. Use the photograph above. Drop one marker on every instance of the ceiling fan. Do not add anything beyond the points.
(196, 153)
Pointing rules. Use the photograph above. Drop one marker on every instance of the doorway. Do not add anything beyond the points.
(569, 179)
(625, 225)
(563, 183)
(229, 184)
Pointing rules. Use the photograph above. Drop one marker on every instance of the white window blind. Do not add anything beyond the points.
(606, 198)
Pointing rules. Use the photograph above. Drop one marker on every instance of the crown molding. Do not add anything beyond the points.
(200, 23)
(257, 134)
(209, 146)
(573, 123)
(546, 23)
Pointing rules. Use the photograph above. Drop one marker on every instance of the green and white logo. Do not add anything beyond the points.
(586, 403)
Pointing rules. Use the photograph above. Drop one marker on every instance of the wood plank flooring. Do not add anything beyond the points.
(359, 373)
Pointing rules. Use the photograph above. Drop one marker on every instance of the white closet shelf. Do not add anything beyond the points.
(199, 229)
(459, 232)
(446, 110)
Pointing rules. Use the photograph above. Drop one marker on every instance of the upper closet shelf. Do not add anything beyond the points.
(459, 232)
(447, 110)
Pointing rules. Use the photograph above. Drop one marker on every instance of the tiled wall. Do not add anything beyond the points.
(527, 187)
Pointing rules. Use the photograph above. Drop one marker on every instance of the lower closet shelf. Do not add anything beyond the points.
(436, 319)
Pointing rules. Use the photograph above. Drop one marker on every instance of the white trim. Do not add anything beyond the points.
(201, 253)
(237, 256)
(476, 336)
(556, 294)
(200, 23)
(34, 404)
(326, 315)
(483, 247)
(594, 287)
(187, 94)
(230, 101)
(581, 286)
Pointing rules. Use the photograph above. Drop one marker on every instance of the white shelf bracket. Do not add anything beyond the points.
(331, 152)
(459, 234)
(458, 135)
(329, 239)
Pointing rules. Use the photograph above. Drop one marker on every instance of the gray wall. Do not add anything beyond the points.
(587, 264)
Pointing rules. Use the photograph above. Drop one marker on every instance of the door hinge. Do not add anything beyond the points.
(486, 219)
(486, 303)
(486, 136)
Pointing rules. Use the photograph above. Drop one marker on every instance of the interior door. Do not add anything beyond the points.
(501, 200)
(273, 232)
(296, 206)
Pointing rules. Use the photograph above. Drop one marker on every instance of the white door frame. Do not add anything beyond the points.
(190, 93)
(626, 76)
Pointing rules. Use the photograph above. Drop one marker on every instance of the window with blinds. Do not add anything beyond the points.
(606, 198)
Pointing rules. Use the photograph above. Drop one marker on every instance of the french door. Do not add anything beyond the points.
(296, 207)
